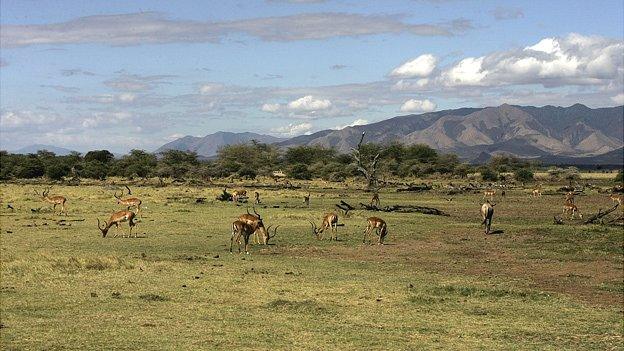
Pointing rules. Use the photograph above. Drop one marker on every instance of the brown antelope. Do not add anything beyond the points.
(571, 209)
(237, 194)
(487, 212)
(262, 234)
(489, 193)
(117, 218)
(129, 202)
(244, 230)
(256, 197)
(375, 200)
(378, 224)
(569, 197)
(306, 199)
(616, 199)
(537, 192)
(55, 200)
(330, 221)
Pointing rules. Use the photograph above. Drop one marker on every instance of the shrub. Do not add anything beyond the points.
(300, 171)
(523, 175)
(619, 178)
(488, 174)
(56, 171)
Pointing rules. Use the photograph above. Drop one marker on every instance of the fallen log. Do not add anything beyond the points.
(415, 188)
(600, 214)
(345, 207)
(405, 209)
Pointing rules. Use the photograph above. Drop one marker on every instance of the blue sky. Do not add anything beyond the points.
(135, 74)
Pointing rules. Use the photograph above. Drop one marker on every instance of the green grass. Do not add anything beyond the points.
(440, 283)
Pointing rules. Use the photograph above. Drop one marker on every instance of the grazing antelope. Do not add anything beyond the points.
(489, 193)
(571, 209)
(262, 234)
(55, 200)
(129, 202)
(537, 192)
(487, 212)
(378, 224)
(616, 199)
(115, 219)
(256, 197)
(306, 199)
(330, 221)
(375, 200)
(569, 197)
(244, 230)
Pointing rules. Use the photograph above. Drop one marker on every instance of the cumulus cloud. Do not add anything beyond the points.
(293, 129)
(271, 108)
(357, 122)
(618, 99)
(309, 103)
(413, 105)
(17, 119)
(507, 13)
(422, 66)
(154, 28)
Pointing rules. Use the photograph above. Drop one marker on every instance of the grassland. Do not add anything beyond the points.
(440, 283)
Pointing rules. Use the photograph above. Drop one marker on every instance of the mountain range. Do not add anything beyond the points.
(208, 145)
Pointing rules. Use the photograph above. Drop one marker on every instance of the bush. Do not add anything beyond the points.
(30, 167)
(619, 178)
(489, 175)
(523, 175)
(247, 172)
(300, 171)
(95, 170)
(57, 171)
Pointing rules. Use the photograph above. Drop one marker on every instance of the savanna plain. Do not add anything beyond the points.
(438, 283)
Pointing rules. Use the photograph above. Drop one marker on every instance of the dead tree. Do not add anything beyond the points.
(600, 214)
(369, 169)
(345, 207)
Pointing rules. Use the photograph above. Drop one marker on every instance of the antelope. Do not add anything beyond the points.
(378, 224)
(262, 234)
(129, 202)
(115, 219)
(56, 200)
(330, 221)
(256, 197)
(616, 199)
(569, 197)
(571, 209)
(487, 212)
(537, 192)
(375, 200)
(306, 199)
(242, 229)
(237, 194)
(489, 193)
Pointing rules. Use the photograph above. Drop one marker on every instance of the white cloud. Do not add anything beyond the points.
(271, 108)
(414, 105)
(422, 66)
(468, 71)
(293, 129)
(17, 119)
(308, 103)
(211, 88)
(153, 28)
(126, 97)
(618, 99)
(357, 122)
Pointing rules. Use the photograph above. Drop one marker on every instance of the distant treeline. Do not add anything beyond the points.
(258, 159)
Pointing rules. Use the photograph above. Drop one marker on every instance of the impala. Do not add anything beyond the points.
(237, 194)
(489, 193)
(330, 221)
(55, 200)
(616, 199)
(379, 225)
(375, 200)
(537, 192)
(117, 218)
(262, 234)
(571, 209)
(487, 212)
(569, 197)
(244, 230)
(256, 197)
(129, 202)
(306, 199)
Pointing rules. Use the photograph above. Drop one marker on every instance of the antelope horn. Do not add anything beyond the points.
(129, 192)
(248, 210)
(313, 226)
(99, 224)
(117, 197)
(274, 231)
(257, 214)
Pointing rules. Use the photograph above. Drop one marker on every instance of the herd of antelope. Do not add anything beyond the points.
(248, 224)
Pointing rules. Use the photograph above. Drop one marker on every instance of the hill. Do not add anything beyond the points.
(208, 145)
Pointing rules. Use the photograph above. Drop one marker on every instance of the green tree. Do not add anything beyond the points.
(57, 171)
(299, 171)
(489, 175)
(523, 175)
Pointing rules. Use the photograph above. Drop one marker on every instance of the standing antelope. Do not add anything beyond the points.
(487, 212)
(115, 219)
(569, 197)
(489, 193)
(571, 208)
(330, 221)
(237, 194)
(256, 197)
(537, 192)
(616, 199)
(129, 202)
(262, 234)
(306, 199)
(378, 224)
(56, 200)
(375, 200)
